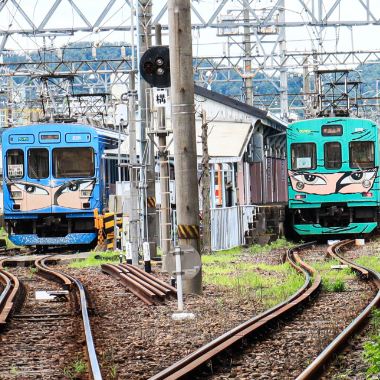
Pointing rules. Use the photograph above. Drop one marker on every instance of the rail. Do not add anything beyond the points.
(316, 367)
(90, 348)
(185, 367)
(9, 295)
(145, 286)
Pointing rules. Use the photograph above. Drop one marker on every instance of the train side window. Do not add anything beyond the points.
(333, 155)
(362, 154)
(73, 162)
(304, 156)
(38, 163)
(15, 163)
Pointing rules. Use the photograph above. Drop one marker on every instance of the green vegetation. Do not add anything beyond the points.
(372, 348)
(14, 369)
(334, 286)
(332, 275)
(4, 235)
(246, 279)
(281, 243)
(95, 259)
(76, 367)
(113, 372)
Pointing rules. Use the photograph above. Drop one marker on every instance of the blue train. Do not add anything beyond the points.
(54, 178)
(333, 176)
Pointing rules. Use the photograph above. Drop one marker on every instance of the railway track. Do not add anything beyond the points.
(284, 349)
(48, 338)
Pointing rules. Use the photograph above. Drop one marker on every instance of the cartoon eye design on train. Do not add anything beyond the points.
(359, 177)
(31, 189)
(356, 182)
(309, 179)
(71, 193)
(330, 183)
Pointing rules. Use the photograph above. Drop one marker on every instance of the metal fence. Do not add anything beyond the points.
(228, 226)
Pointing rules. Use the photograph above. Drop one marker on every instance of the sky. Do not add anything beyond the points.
(205, 41)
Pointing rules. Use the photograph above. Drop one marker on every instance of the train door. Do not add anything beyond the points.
(38, 189)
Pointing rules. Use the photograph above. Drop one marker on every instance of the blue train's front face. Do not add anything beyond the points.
(50, 183)
(333, 176)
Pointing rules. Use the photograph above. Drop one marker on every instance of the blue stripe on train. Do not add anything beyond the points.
(32, 239)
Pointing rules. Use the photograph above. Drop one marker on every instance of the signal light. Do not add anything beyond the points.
(299, 196)
(155, 66)
(368, 195)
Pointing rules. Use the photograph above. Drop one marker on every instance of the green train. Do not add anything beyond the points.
(333, 178)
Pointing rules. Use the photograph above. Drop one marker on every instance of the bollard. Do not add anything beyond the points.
(128, 252)
(146, 251)
(180, 315)
(178, 268)
(121, 257)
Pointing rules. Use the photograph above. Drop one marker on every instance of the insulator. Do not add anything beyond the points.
(94, 52)
(59, 53)
(123, 52)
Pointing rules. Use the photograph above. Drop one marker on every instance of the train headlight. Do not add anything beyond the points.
(366, 183)
(16, 194)
(85, 193)
(300, 185)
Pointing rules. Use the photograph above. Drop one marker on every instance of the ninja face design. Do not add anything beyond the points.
(331, 183)
(31, 196)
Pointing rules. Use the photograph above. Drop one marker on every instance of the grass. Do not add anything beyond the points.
(281, 243)
(372, 348)
(96, 259)
(4, 235)
(223, 269)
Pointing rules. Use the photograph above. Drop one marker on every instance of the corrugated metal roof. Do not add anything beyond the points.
(225, 139)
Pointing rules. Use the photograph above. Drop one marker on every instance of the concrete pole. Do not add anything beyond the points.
(205, 188)
(183, 119)
(145, 41)
(247, 63)
(134, 218)
(164, 170)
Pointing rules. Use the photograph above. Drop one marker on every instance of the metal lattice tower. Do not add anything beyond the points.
(243, 43)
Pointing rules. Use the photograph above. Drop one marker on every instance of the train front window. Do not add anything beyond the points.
(73, 162)
(362, 154)
(38, 163)
(304, 156)
(15, 163)
(333, 155)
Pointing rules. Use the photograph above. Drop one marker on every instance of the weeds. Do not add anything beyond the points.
(334, 286)
(281, 243)
(14, 369)
(96, 259)
(113, 372)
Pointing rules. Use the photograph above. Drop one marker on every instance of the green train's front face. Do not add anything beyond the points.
(333, 176)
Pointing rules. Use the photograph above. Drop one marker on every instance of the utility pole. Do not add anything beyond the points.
(183, 119)
(147, 145)
(133, 177)
(164, 169)
(205, 188)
